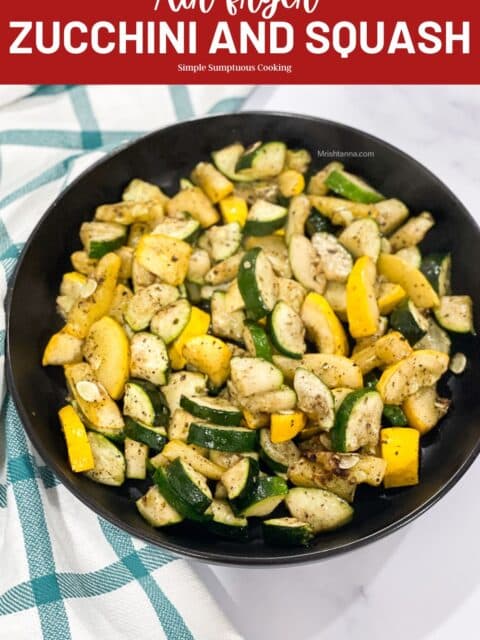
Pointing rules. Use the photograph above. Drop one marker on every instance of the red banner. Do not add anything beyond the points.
(239, 41)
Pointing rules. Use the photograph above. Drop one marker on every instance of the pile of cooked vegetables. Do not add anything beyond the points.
(258, 344)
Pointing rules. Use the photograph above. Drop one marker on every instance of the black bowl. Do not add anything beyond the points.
(163, 157)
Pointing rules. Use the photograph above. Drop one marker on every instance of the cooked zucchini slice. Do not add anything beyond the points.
(435, 338)
(410, 255)
(136, 454)
(409, 321)
(287, 532)
(282, 399)
(291, 292)
(455, 313)
(352, 187)
(262, 160)
(169, 322)
(254, 375)
(357, 421)
(239, 481)
(306, 265)
(145, 403)
(221, 242)
(226, 160)
(276, 251)
(267, 494)
(314, 398)
(198, 266)
(287, 330)
(336, 261)
(153, 437)
(317, 184)
(412, 232)
(334, 371)
(257, 283)
(183, 383)
(216, 410)
(186, 229)
(186, 492)
(109, 462)
(278, 456)
(256, 341)
(298, 213)
(233, 439)
(225, 322)
(225, 523)
(362, 238)
(394, 415)
(156, 510)
(146, 302)
(264, 218)
(99, 238)
(437, 267)
(322, 510)
(149, 358)
(225, 271)
(190, 485)
(309, 473)
(178, 449)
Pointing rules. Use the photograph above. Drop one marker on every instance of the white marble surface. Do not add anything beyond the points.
(422, 583)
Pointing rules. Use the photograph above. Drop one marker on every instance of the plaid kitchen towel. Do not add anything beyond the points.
(65, 573)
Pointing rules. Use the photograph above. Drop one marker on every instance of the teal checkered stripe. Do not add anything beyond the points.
(27, 480)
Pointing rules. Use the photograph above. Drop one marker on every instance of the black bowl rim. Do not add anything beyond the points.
(309, 555)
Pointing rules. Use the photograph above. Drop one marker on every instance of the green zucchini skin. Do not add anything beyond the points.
(278, 532)
(267, 487)
(316, 223)
(217, 416)
(182, 485)
(248, 285)
(161, 479)
(154, 437)
(157, 400)
(436, 267)
(394, 415)
(339, 432)
(348, 186)
(98, 248)
(260, 341)
(250, 480)
(220, 438)
(406, 319)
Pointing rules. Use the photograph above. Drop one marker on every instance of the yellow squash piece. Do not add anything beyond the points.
(417, 287)
(211, 181)
(197, 326)
(362, 309)
(141, 191)
(166, 257)
(72, 284)
(178, 449)
(421, 368)
(234, 209)
(255, 420)
(366, 358)
(87, 310)
(93, 400)
(390, 296)
(130, 211)
(209, 355)
(334, 371)
(196, 203)
(424, 409)
(78, 447)
(107, 350)
(286, 425)
(291, 183)
(400, 447)
(392, 347)
(62, 348)
(323, 326)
